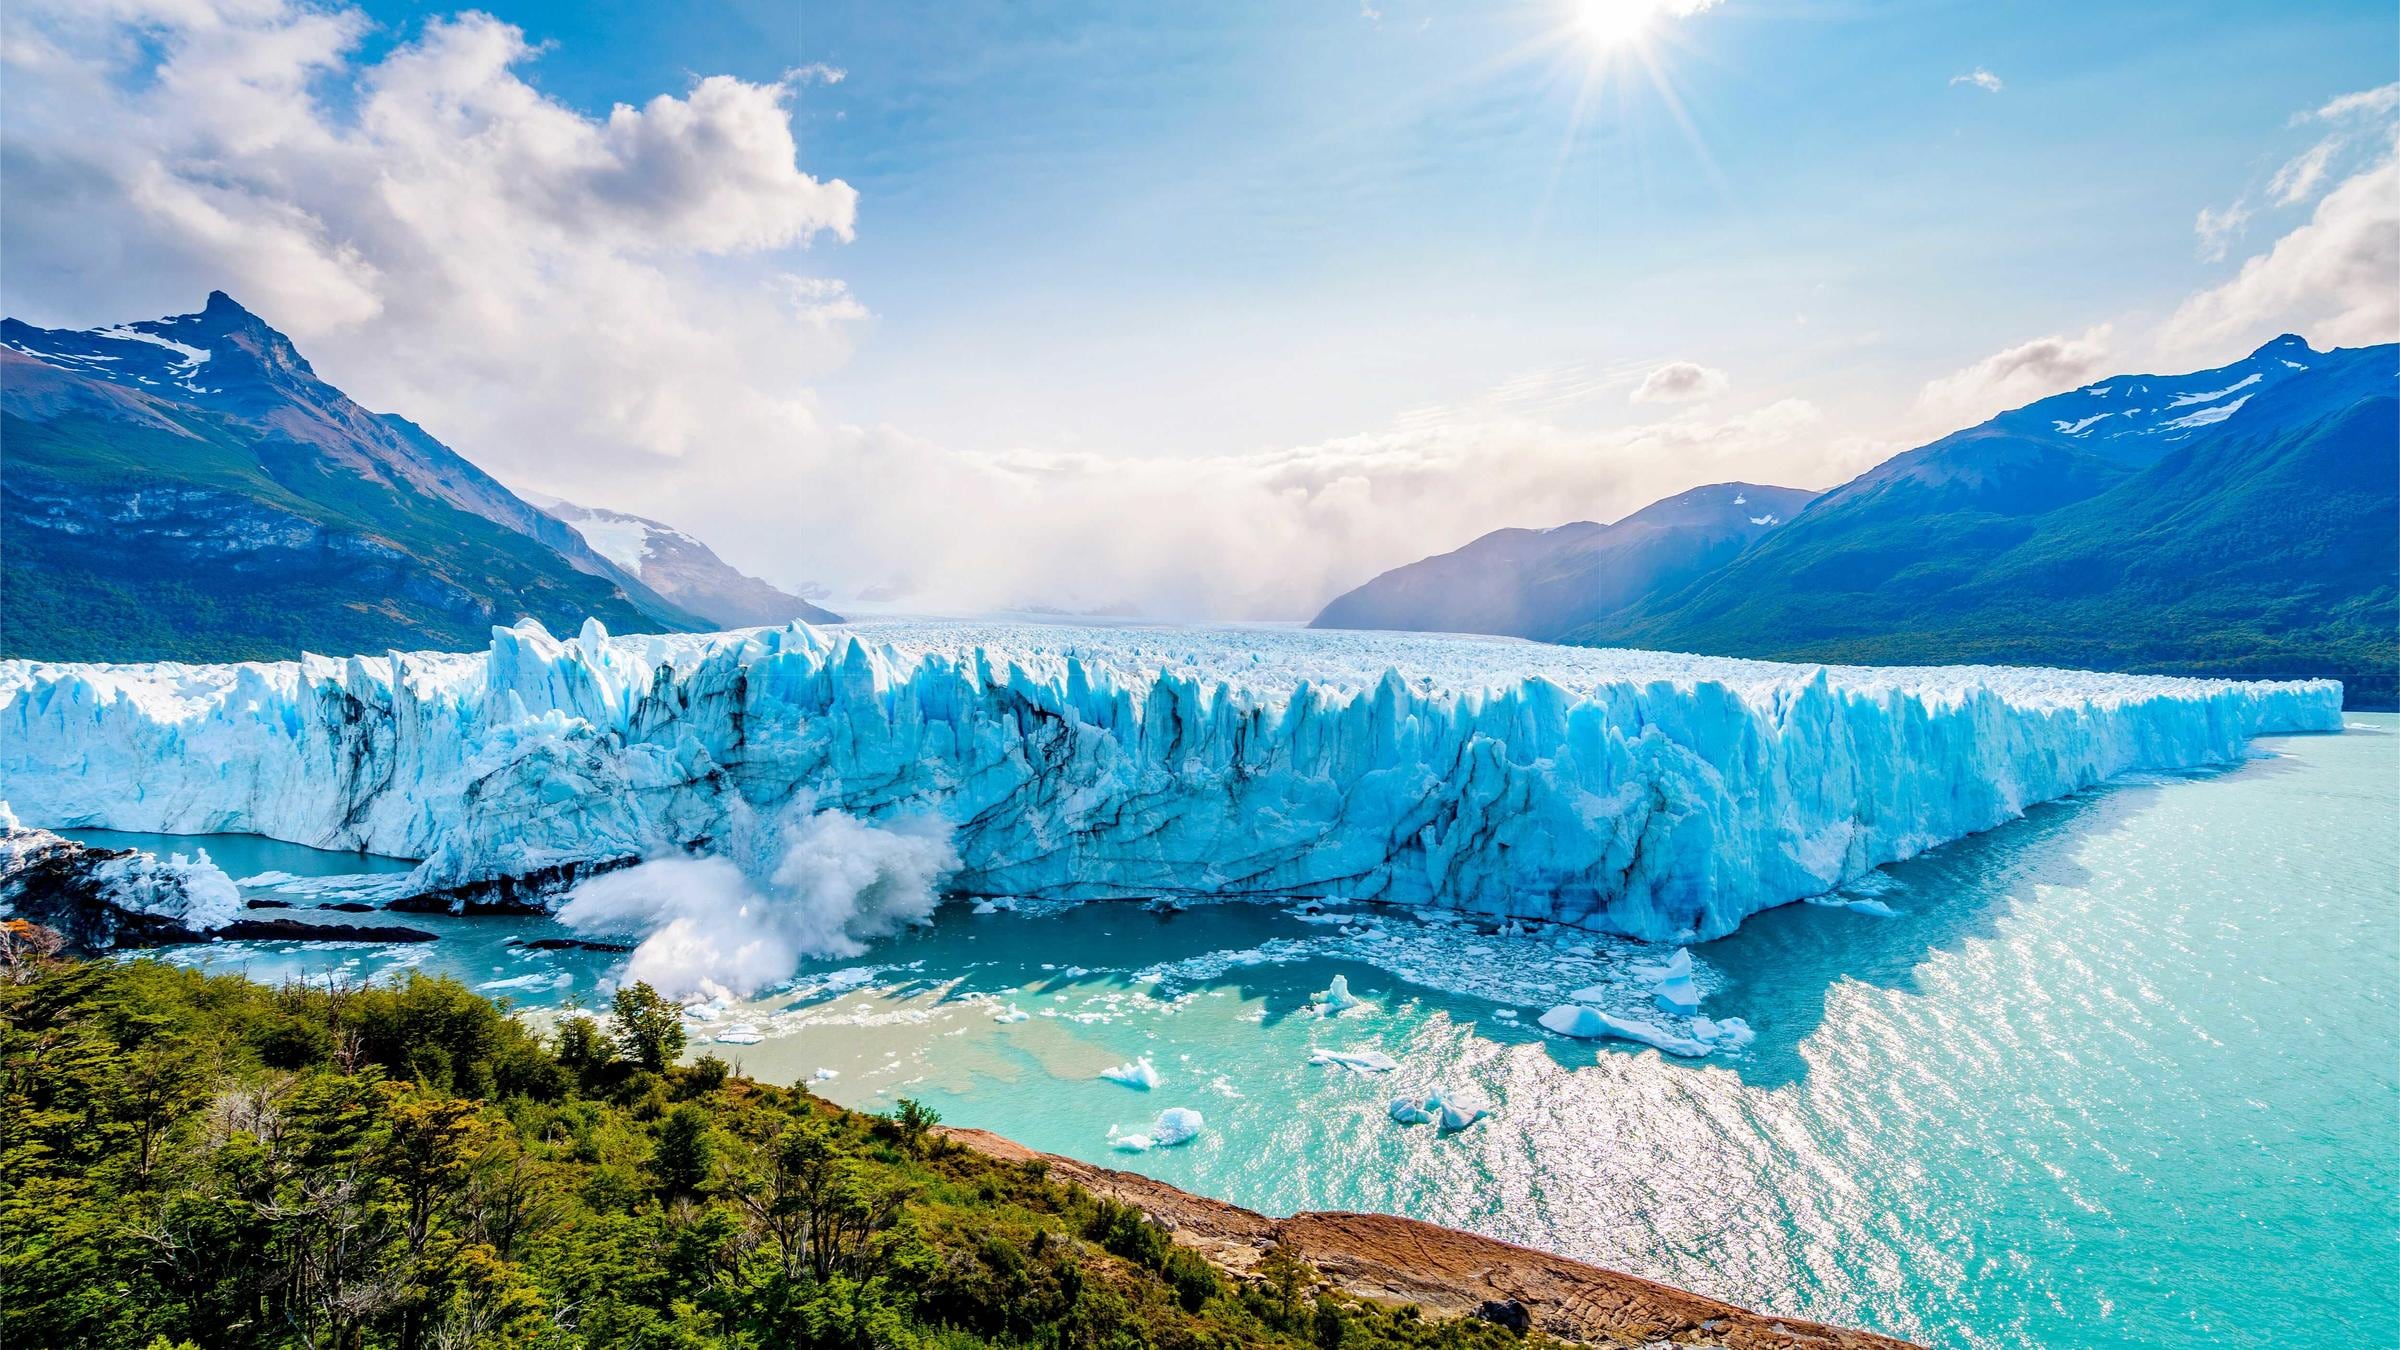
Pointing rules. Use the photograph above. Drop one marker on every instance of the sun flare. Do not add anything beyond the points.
(1612, 24)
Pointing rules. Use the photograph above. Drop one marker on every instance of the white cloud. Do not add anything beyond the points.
(2299, 179)
(2018, 375)
(2218, 229)
(1981, 79)
(1679, 381)
(2366, 103)
(2334, 280)
(536, 285)
(815, 72)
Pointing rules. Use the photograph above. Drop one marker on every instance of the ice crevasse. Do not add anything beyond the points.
(1641, 793)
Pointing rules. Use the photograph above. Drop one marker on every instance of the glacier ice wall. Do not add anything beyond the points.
(1641, 793)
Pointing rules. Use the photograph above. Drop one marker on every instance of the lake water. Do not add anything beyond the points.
(2119, 1074)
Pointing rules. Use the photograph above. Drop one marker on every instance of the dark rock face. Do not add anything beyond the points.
(554, 944)
(55, 883)
(63, 886)
(1506, 1313)
(300, 930)
(527, 894)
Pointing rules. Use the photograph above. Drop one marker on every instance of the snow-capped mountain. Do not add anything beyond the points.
(2241, 520)
(681, 568)
(188, 487)
(1546, 583)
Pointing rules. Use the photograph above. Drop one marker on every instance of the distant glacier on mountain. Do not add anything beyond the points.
(683, 569)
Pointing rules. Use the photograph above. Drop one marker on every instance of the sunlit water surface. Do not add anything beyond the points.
(2119, 1074)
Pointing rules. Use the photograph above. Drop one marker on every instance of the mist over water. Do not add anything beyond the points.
(807, 883)
(2118, 1074)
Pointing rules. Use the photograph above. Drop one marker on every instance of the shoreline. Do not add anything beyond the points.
(1393, 1260)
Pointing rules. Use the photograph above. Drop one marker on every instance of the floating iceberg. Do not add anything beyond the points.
(1358, 1061)
(740, 1033)
(1728, 1033)
(1011, 1013)
(1656, 796)
(1175, 1126)
(1674, 990)
(1435, 1108)
(1336, 998)
(1591, 1024)
(1141, 1073)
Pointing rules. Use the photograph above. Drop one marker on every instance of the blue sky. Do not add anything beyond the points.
(1195, 205)
(1200, 310)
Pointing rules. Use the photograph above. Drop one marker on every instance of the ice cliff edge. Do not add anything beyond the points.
(1652, 795)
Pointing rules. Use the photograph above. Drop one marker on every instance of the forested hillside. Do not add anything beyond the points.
(201, 1160)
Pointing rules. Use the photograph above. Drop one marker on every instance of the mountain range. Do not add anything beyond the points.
(188, 488)
(2239, 521)
(1548, 583)
(683, 569)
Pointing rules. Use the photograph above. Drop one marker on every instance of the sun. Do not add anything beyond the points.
(1612, 24)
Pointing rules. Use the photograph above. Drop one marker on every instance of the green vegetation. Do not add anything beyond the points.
(193, 1159)
(2261, 556)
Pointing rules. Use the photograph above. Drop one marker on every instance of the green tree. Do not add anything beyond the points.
(911, 1121)
(685, 1152)
(649, 1026)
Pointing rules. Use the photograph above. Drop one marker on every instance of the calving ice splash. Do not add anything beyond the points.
(797, 791)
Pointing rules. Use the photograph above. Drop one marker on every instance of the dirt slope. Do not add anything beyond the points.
(1397, 1260)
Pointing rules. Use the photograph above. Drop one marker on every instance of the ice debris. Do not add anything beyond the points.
(1588, 1023)
(1177, 1125)
(1357, 1061)
(1336, 998)
(1435, 1108)
(1140, 1073)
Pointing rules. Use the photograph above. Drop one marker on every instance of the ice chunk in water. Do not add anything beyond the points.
(1731, 1033)
(1361, 1061)
(1436, 1108)
(1675, 991)
(1175, 1126)
(1572, 1019)
(1141, 1073)
(1337, 997)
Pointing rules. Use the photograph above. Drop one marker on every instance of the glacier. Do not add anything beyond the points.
(1646, 794)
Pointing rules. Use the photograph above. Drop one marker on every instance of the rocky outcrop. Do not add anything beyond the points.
(1444, 1271)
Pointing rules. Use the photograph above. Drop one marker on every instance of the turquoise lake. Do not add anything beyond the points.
(2121, 1073)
